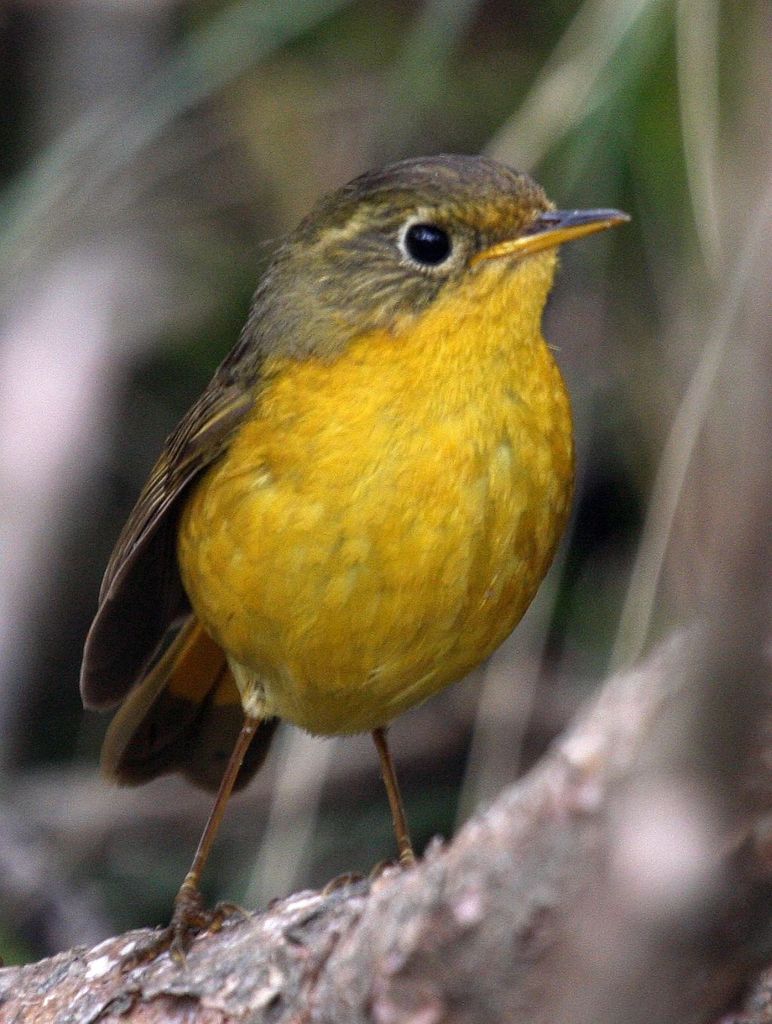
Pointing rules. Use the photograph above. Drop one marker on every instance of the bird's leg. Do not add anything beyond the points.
(406, 855)
(189, 914)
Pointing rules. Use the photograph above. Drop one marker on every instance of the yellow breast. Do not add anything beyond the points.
(381, 522)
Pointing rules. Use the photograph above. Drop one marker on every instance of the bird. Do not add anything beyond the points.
(364, 500)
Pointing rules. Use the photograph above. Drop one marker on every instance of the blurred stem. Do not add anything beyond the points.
(679, 448)
(566, 90)
(697, 44)
(303, 763)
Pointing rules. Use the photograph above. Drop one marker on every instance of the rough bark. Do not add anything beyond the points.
(625, 879)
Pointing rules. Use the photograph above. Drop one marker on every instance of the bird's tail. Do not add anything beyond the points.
(183, 716)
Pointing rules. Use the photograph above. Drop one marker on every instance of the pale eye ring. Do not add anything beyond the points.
(426, 244)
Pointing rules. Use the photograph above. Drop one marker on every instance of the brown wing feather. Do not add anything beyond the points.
(141, 594)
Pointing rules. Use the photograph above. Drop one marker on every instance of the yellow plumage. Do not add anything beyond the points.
(382, 519)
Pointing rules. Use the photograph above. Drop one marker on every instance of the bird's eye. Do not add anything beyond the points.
(427, 244)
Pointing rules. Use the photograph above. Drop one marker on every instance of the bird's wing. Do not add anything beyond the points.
(141, 594)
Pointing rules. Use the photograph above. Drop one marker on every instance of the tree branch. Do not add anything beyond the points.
(625, 879)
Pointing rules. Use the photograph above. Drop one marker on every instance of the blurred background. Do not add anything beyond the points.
(151, 151)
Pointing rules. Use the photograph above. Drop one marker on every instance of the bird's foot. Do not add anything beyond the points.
(405, 861)
(190, 918)
(341, 881)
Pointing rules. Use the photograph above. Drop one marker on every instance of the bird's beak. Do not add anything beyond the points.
(552, 228)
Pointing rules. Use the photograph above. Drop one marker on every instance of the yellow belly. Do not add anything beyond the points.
(381, 522)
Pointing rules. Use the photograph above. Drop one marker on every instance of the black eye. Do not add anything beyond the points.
(427, 244)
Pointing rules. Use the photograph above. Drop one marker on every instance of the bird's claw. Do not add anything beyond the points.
(190, 918)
